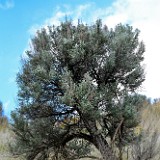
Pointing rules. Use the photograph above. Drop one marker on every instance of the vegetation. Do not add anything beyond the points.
(3, 119)
(77, 98)
(145, 146)
(77, 88)
(6, 137)
(3, 128)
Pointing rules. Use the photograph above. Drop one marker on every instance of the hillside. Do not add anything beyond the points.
(6, 138)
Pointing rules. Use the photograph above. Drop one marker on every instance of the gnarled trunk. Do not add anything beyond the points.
(97, 139)
(102, 145)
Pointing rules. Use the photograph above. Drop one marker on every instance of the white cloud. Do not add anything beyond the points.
(6, 106)
(60, 14)
(7, 5)
(56, 19)
(141, 14)
(144, 15)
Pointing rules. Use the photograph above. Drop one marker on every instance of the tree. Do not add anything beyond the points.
(1, 109)
(3, 118)
(84, 77)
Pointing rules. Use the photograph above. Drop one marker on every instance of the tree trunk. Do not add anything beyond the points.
(102, 145)
(97, 139)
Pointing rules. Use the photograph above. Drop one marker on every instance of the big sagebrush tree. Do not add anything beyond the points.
(79, 82)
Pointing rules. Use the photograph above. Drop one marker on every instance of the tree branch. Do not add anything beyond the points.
(117, 129)
(70, 137)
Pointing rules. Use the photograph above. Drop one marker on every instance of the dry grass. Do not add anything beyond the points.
(6, 138)
(151, 118)
(149, 146)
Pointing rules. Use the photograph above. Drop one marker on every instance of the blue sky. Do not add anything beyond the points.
(19, 21)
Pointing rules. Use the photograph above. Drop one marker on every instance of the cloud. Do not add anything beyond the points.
(141, 14)
(7, 5)
(60, 14)
(6, 107)
(144, 15)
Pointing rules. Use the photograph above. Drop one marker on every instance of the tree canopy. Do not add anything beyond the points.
(78, 84)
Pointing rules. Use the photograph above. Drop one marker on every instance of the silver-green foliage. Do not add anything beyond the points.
(74, 78)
